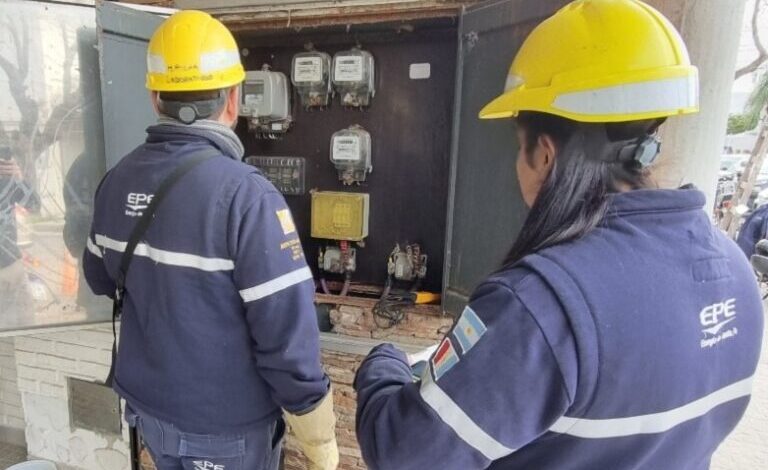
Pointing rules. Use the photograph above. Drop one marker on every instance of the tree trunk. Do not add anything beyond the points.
(730, 222)
(692, 145)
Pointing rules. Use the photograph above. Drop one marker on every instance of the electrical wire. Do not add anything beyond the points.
(324, 286)
(347, 284)
(389, 310)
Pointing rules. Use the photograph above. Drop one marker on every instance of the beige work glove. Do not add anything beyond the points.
(316, 433)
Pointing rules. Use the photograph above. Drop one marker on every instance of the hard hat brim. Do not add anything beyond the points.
(501, 107)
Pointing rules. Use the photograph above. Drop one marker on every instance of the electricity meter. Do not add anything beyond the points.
(265, 102)
(353, 77)
(351, 154)
(311, 76)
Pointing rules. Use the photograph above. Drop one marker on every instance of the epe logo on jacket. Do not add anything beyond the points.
(137, 203)
(714, 319)
(206, 465)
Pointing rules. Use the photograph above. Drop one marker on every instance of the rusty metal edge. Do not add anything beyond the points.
(313, 18)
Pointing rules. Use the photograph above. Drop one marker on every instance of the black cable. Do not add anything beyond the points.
(762, 280)
(347, 284)
(389, 310)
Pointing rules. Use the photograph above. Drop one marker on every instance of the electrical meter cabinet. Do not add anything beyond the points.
(265, 102)
(351, 154)
(311, 76)
(353, 77)
(340, 216)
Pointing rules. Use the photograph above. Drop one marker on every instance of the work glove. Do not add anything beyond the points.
(316, 433)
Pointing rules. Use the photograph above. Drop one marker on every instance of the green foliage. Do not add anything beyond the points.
(738, 123)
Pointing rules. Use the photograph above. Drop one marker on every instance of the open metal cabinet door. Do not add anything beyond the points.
(124, 32)
(485, 209)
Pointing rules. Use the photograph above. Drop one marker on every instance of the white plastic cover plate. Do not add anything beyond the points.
(346, 148)
(348, 69)
(420, 71)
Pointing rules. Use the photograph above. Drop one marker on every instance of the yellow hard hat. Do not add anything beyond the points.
(601, 61)
(192, 51)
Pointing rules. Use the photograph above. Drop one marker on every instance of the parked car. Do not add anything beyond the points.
(733, 163)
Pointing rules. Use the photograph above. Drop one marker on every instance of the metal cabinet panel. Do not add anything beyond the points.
(123, 37)
(485, 207)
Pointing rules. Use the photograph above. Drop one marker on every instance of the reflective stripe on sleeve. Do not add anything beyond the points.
(276, 285)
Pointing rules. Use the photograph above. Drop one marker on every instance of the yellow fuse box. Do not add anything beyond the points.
(340, 216)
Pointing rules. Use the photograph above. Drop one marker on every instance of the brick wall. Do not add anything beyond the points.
(423, 325)
(11, 411)
(44, 361)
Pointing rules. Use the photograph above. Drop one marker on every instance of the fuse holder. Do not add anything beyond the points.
(340, 216)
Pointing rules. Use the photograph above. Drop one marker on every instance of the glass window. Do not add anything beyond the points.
(51, 161)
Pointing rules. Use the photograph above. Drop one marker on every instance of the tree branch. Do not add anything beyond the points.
(752, 66)
(17, 88)
(48, 135)
(23, 50)
(762, 53)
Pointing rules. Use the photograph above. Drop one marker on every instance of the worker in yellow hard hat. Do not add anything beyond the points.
(623, 329)
(219, 343)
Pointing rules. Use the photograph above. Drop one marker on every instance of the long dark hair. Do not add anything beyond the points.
(574, 198)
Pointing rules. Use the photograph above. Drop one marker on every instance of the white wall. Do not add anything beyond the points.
(11, 412)
(44, 361)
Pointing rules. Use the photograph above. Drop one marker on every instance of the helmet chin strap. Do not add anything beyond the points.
(190, 111)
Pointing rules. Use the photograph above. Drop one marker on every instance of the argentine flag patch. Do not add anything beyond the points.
(468, 330)
(444, 359)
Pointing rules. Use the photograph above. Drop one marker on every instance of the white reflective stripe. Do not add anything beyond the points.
(644, 97)
(170, 258)
(459, 421)
(651, 423)
(156, 64)
(219, 60)
(276, 285)
(513, 81)
(93, 248)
